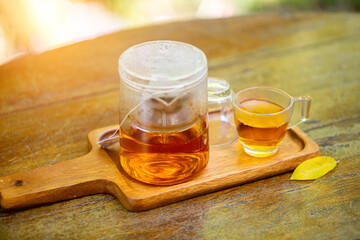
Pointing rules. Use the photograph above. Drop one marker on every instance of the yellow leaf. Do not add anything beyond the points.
(313, 168)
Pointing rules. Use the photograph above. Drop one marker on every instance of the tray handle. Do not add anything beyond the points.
(69, 179)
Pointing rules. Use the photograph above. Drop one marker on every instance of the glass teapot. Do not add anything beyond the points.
(163, 112)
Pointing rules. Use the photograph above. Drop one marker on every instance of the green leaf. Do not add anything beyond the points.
(313, 168)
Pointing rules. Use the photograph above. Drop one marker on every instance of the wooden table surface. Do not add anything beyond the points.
(49, 103)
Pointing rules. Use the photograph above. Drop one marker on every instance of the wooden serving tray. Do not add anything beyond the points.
(99, 172)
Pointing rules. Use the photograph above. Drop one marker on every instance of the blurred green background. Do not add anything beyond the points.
(130, 8)
(35, 26)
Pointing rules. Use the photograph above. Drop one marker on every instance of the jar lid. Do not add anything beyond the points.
(162, 65)
(219, 90)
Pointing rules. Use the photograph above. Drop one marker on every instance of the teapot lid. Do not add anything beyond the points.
(162, 65)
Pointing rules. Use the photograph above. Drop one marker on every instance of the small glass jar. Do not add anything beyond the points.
(222, 128)
(163, 112)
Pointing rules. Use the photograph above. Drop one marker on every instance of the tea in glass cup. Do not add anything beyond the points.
(262, 116)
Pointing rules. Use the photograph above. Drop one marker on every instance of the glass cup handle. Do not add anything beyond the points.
(305, 109)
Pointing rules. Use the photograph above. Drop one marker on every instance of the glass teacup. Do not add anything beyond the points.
(262, 116)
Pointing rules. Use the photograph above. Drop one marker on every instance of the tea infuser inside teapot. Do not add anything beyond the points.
(222, 129)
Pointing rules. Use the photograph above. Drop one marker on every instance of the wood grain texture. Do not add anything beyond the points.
(49, 103)
(99, 171)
